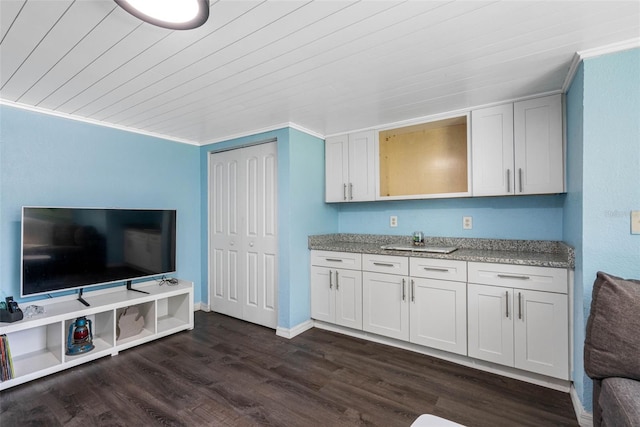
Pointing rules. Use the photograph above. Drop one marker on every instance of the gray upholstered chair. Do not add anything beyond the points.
(612, 351)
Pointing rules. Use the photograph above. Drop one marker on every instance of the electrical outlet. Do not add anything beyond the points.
(635, 222)
(393, 221)
(467, 222)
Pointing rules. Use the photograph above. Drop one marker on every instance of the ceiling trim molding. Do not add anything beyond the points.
(263, 130)
(444, 115)
(305, 130)
(94, 122)
(598, 51)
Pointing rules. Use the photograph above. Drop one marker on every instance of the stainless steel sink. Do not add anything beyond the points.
(429, 249)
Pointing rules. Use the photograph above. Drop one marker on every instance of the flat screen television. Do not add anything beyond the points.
(75, 248)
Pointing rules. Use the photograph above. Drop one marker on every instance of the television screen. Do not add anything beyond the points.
(72, 248)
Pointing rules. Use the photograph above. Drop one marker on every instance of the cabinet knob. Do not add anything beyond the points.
(251, 244)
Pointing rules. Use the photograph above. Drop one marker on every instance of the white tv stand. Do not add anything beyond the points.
(38, 344)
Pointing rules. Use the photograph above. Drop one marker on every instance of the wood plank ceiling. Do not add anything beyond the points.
(326, 66)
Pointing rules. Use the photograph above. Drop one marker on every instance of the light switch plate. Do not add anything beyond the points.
(635, 222)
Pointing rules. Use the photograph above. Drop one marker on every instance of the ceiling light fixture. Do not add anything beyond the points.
(172, 14)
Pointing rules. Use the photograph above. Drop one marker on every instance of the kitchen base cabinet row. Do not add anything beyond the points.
(510, 315)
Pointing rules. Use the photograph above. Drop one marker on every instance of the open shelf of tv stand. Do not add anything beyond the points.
(38, 344)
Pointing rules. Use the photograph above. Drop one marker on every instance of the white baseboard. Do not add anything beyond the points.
(296, 330)
(518, 374)
(201, 306)
(585, 419)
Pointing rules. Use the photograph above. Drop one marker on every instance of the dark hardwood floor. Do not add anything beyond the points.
(230, 373)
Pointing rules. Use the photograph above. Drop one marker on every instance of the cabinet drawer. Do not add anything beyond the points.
(519, 276)
(347, 260)
(386, 264)
(432, 268)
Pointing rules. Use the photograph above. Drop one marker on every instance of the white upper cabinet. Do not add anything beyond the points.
(510, 149)
(537, 139)
(349, 167)
(492, 150)
(336, 153)
(517, 148)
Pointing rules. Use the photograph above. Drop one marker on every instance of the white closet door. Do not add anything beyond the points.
(225, 234)
(243, 241)
(259, 235)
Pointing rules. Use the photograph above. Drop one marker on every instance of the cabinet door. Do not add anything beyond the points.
(539, 157)
(492, 151)
(541, 333)
(322, 296)
(348, 298)
(336, 151)
(490, 323)
(361, 185)
(385, 307)
(438, 314)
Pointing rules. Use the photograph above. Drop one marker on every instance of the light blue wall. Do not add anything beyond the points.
(301, 212)
(573, 223)
(518, 217)
(51, 161)
(308, 214)
(608, 185)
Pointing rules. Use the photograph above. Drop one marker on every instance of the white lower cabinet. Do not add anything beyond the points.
(423, 310)
(336, 293)
(385, 305)
(511, 315)
(490, 327)
(439, 304)
(439, 314)
(516, 326)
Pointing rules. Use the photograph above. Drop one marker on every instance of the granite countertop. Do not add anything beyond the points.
(540, 253)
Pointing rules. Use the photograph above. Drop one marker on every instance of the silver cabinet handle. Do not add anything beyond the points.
(519, 305)
(337, 285)
(344, 191)
(333, 259)
(507, 305)
(383, 264)
(404, 294)
(330, 279)
(413, 291)
(513, 276)
(443, 270)
(508, 180)
(350, 191)
(520, 178)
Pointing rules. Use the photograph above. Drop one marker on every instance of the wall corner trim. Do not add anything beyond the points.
(585, 419)
(296, 330)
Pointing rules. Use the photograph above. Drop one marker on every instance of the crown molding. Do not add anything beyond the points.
(158, 135)
(263, 130)
(94, 122)
(598, 51)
